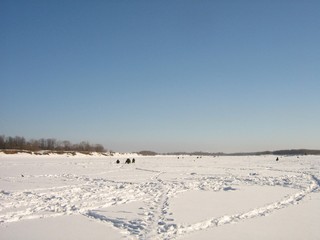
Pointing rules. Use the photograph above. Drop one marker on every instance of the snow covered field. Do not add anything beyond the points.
(161, 197)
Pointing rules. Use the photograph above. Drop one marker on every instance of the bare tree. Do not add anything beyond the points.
(67, 145)
(19, 142)
(99, 148)
(2, 142)
(34, 145)
(51, 144)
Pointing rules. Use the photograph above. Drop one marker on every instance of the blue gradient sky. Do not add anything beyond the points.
(162, 75)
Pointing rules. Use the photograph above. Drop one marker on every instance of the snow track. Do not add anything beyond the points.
(257, 212)
(151, 188)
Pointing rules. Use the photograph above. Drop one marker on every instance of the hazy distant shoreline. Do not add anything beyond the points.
(151, 153)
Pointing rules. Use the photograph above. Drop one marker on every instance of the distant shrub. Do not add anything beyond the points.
(147, 153)
(14, 151)
(11, 151)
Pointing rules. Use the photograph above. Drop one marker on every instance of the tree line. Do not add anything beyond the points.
(20, 143)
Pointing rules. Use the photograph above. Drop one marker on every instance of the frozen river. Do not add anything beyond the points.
(160, 197)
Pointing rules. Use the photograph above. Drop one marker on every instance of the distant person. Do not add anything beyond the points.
(133, 160)
(128, 161)
(277, 159)
(118, 161)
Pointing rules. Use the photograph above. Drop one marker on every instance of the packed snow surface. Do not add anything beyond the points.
(160, 197)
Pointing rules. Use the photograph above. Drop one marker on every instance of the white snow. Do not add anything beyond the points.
(161, 197)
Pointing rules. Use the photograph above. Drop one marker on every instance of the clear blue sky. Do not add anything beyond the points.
(162, 75)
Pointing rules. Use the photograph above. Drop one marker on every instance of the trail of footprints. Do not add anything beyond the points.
(155, 221)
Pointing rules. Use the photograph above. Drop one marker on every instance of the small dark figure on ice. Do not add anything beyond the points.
(128, 161)
(118, 161)
(133, 160)
(277, 159)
